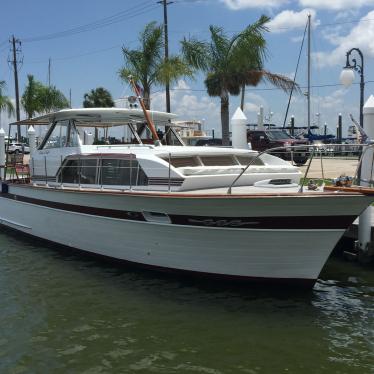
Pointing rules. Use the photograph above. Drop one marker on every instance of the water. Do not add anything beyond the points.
(66, 313)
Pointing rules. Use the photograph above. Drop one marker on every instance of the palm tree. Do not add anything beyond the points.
(38, 98)
(230, 63)
(52, 99)
(5, 102)
(147, 65)
(99, 98)
(30, 98)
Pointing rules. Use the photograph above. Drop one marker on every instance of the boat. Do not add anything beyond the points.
(214, 211)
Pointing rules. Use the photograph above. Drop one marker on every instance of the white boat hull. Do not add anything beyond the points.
(293, 254)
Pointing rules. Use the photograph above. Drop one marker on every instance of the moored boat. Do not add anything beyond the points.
(169, 207)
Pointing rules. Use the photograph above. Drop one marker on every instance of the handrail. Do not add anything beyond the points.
(290, 149)
(168, 176)
(303, 146)
(357, 175)
(307, 170)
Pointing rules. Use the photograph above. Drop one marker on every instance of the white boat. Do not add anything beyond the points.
(169, 207)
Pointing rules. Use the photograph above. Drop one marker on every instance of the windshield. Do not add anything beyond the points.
(278, 134)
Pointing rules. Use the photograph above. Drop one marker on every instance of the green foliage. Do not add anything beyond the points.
(231, 63)
(146, 65)
(30, 99)
(5, 102)
(98, 98)
(38, 98)
(52, 99)
(227, 60)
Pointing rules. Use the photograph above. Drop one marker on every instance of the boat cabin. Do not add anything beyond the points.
(79, 151)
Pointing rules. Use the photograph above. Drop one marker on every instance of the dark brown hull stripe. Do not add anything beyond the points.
(277, 222)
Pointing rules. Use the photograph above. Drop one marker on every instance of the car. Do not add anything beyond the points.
(261, 140)
(14, 147)
(209, 142)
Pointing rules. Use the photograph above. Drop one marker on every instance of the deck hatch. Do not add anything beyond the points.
(218, 160)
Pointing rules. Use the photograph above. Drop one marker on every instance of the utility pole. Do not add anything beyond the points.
(165, 3)
(309, 16)
(16, 49)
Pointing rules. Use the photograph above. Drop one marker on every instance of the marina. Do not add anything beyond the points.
(127, 198)
(187, 187)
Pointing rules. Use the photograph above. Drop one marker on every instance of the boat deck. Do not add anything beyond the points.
(243, 191)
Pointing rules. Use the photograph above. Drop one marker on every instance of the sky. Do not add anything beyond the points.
(85, 54)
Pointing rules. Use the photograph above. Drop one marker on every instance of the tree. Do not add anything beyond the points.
(147, 65)
(30, 98)
(99, 98)
(52, 99)
(230, 63)
(38, 98)
(5, 102)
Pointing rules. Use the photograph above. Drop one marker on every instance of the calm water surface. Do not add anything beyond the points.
(66, 313)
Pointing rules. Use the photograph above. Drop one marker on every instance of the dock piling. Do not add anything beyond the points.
(239, 129)
(2, 153)
(364, 243)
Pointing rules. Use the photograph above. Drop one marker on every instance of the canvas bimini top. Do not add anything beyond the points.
(100, 117)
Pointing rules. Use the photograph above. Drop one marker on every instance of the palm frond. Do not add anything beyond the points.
(280, 81)
(171, 70)
(5, 102)
(152, 43)
(196, 53)
(219, 46)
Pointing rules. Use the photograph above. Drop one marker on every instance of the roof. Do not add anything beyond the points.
(100, 117)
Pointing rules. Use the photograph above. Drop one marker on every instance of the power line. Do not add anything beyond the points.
(269, 89)
(79, 55)
(134, 11)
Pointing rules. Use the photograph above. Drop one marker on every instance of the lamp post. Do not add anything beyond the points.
(347, 77)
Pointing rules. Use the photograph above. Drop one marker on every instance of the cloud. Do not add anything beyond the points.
(334, 100)
(289, 19)
(361, 36)
(243, 4)
(346, 14)
(189, 106)
(296, 39)
(336, 4)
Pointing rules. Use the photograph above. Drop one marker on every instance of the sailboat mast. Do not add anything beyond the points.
(309, 73)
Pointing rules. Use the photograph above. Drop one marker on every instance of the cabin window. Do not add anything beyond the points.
(113, 172)
(58, 136)
(116, 172)
(246, 159)
(72, 140)
(219, 160)
(122, 172)
(180, 162)
(88, 171)
(79, 171)
(69, 172)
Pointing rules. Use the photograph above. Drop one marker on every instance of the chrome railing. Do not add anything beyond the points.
(357, 150)
(40, 172)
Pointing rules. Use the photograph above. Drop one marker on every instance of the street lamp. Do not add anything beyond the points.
(347, 77)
